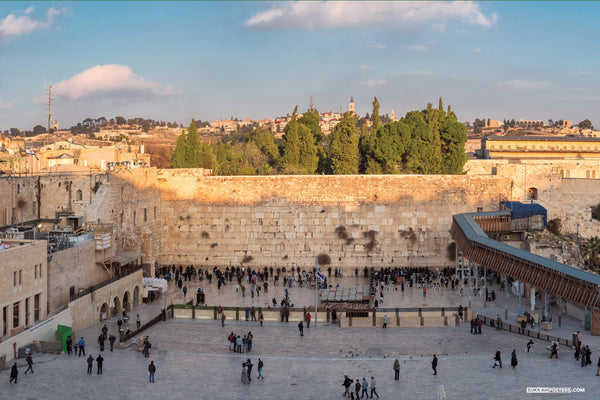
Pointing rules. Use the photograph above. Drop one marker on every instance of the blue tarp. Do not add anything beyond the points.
(519, 210)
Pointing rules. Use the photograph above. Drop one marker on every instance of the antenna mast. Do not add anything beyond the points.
(50, 98)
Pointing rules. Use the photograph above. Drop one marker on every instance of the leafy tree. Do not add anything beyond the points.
(591, 251)
(178, 159)
(38, 130)
(187, 153)
(290, 160)
(308, 151)
(585, 124)
(376, 121)
(343, 150)
(311, 120)
(265, 141)
(14, 132)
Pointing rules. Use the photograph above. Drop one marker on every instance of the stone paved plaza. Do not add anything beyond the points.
(194, 362)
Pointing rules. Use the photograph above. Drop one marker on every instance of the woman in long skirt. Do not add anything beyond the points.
(244, 374)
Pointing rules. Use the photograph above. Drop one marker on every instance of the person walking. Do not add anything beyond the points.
(101, 339)
(434, 364)
(598, 369)
(260, 367)
(373, 387)
(261, 318)
(111, 340)
(365, 387)
(99, 360)
(105, 330)
(301, 328)
(151, 371)
(81, 345)
(346, 384)
(385, 321)
(223, 317)
(29, 360)
(513, 358)
(396, 370)
(497, 359)
(529, 345)
(14, 373)
(138, 323)
(357, 388)
(69, 344)
(554, 350)
(90, 363)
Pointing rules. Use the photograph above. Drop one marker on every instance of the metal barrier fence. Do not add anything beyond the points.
(524, 331)
(91, 289)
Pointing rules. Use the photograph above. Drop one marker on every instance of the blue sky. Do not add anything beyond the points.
(175, 61)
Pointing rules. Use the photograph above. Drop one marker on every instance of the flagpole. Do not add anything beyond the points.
(316, 290)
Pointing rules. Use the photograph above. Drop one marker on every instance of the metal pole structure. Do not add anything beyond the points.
(484, 287)
(545, 305)
(559, 311)
(506, 297)
(520, 309)
(470, 285)
(462, 273)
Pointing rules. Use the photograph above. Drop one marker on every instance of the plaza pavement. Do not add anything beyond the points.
(193, 360)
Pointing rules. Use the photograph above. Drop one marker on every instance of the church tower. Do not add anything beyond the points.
(393, 115)
(351, 105)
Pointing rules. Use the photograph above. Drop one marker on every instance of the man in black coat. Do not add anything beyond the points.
(434, 363)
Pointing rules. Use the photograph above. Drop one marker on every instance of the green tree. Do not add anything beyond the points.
(120, 120)
(591, 251)
(38, 130)
(265, 141)
(310, 119)
(308, 151)
(343, 149)
(453, 138)
(585, 124)
(187, 153)
(376, 120)
(290, 159)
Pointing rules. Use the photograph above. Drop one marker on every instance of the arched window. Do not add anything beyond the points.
(79, 195)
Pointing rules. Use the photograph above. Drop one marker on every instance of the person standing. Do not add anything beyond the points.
(105, 330)
(260, 367)
(554, 350)
(249, 339)
(598, 369)
(14, 373)
(69, 345)
(308, 318)
(357, 389)
(396, 370)
(244, 374)
(29, 360)
(249, 366)
(223, 319)
(365, 387)
(138, 323)
(100, 360)
(434, 364)
(151, 371)
(90, 362)
(373, 387)
(81, 345)
(111, 340)
(513, 358)
(301, 328)
(261, 318)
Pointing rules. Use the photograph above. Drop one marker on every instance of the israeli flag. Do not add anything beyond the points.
(319, 273)
(30, 152)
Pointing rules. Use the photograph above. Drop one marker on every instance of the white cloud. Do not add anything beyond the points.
(377, 46)
(17, 25)
(525, 84)
(110, 79)
(477, 50)
(5, 105)
(419, 73)
(309, 15)
(373, 82)
(418, 47)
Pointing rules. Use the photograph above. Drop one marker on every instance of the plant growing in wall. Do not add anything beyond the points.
(596, 212)
(555, 226)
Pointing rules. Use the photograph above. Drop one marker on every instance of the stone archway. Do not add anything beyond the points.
(136, 296)
(104, 314)
(116, 311)
(126, 301)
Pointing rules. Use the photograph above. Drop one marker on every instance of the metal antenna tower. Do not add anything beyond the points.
(50, 98)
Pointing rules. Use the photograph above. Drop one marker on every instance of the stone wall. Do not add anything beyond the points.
(288, 220)
(74, 266)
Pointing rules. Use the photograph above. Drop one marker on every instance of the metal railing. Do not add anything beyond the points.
(524, 331)
(91, 289)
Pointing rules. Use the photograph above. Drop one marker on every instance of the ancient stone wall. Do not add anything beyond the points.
(76, 267)
(289, 220)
